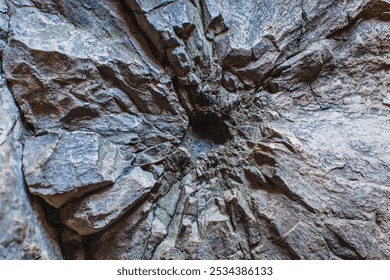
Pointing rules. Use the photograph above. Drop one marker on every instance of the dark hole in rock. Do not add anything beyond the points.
(211, 126)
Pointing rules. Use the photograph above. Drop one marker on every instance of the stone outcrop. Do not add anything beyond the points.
(62, 167)
(180, 129)
(97, 211)
(25, 232)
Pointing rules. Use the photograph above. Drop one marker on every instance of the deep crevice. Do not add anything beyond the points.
(371, 10)
(210, 125)
(53, 219)
(150, 45)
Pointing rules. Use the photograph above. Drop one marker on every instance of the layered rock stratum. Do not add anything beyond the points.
(195, 129)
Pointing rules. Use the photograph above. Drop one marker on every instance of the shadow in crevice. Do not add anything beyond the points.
(211, 126)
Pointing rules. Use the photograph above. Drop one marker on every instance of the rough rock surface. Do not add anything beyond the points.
(195, 129)
(99, 210)
(61, 167)
(25, 233)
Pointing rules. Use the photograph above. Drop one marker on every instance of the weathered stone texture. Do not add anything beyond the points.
(186, 129)
(25, 234)
(64, 166)
(95, 212)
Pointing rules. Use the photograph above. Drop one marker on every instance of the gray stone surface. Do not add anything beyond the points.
(64, 166)
(97, 211)
(100, 72)
(24, 231)
(178, 129)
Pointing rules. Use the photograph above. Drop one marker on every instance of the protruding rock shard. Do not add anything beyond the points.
(95, 212)
(61, 167)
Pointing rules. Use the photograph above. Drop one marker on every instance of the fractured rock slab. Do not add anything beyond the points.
(97, 211)
(65, 166)
(24, 232)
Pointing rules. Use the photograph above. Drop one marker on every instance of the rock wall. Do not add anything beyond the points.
(195, 129)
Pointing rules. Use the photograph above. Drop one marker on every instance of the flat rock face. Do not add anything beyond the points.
(177, 129)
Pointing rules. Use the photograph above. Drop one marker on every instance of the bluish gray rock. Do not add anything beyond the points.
(95, 212)
(24, 230)
(186, 129)
(65, 166)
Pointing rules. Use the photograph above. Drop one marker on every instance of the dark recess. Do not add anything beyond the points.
(210, 125)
